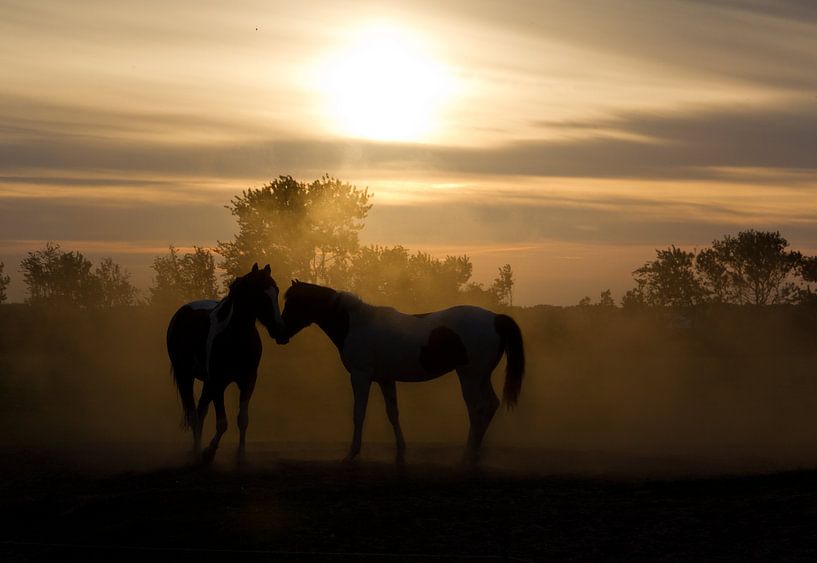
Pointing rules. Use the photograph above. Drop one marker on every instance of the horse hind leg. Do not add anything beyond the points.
(200, 415)
(389, 390)
(244, 416)
(361, 382)
(482, 404)
(221, 427)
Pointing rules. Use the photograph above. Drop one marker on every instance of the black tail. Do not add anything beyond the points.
(182, 375)
(511, 336)
(184, 384)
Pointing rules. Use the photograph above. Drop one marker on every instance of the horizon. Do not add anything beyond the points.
(570, 141)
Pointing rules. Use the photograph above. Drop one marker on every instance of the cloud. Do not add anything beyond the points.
(672, 145)
(719, 42)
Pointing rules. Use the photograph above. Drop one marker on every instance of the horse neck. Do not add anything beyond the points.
(239, 317)
(334, 322)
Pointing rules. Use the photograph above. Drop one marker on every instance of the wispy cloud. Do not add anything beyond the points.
(672, 145)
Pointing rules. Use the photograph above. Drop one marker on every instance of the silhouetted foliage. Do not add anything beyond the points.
(4, 283)
(475, 294)
(503, 285)
(54, 276)
(752, 268)
(606, 299)
(115, 289)
(57, 277)
(394, 275)
(808, 273)
(307, 231)
(668, 281)
(183, 278)
(633, 299)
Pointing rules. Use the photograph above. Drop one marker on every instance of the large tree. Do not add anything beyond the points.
(180, 278)
(752, 268)
(303, 230)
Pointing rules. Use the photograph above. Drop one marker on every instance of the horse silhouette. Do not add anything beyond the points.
(383, 345)
(217, 342)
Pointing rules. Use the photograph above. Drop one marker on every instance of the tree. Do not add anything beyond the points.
(633, 299)
(183, 278)
(475, 294)
(57, 277)
(668, 281)
(115, 288)
(393, 275)
(808, 273)
(503, 285)
(753, 267)
(606, 299)
(4, 283)
(309, 231)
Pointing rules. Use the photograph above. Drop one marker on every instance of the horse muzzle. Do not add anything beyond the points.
(279, 338)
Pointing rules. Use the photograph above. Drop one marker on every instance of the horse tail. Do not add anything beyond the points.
(184, 384)
(182, 378)
(514, 351)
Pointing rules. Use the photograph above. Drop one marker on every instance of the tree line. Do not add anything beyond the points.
(750, 268)
(304, 230)
(310, 231)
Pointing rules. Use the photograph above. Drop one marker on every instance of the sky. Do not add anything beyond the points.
(569, 139)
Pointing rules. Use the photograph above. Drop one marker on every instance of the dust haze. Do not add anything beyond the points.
(606, 391)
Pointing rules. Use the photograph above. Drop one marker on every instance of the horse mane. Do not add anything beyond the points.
(349, 300)
(312, 291)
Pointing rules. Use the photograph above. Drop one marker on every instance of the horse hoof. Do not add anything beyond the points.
(208, 455)
(470, 462)
(349, 460)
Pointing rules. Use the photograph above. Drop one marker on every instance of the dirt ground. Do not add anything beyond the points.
(147, 502)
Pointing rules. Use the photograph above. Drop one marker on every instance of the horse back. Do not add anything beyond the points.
(187, 338)
(418, 347)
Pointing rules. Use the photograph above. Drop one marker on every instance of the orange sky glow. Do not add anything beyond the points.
(569, 139)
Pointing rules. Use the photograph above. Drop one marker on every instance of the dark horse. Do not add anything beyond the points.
(216, 342)
(383, 345)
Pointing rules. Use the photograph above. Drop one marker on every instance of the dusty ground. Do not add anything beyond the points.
(289, 504)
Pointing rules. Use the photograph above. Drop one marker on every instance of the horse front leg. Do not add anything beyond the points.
(389, 390)
(361, 382)
(244, 415)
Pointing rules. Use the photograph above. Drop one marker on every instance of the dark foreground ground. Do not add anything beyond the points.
(287, 505)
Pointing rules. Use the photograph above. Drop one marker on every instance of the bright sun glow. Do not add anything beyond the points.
(386, 86)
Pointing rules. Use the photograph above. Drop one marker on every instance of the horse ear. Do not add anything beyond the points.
(267, 269)
(255, 267)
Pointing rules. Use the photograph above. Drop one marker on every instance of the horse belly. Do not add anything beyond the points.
(438, 353)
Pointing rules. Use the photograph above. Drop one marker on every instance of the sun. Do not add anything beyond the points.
(385, 86)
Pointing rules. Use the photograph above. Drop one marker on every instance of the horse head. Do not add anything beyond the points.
(304, 304)
(258, 292)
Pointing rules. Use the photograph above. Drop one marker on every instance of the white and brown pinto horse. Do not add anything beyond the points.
(383, 345)
(217, 342)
